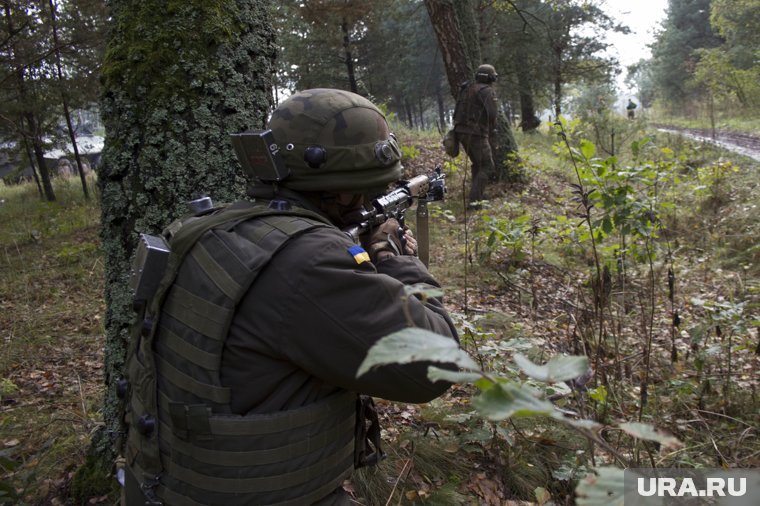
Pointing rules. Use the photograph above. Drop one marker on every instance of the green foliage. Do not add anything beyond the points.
(686, 28)
(409, 153)
(7, 388)
(555, 370)
(604, 487)
(712, 181)
(415, 345)
(500, 398)
(94, 479)
(621, 203)
(517, 236)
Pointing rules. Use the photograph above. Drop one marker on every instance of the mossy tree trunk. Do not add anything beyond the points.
(178, 78)
(457, 30)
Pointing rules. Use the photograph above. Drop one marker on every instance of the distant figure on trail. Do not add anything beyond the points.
(475, 125)
(630, 107)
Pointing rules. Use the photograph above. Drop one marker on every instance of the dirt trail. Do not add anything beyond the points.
(742, 143)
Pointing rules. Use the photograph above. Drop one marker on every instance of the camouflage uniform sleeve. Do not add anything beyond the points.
(329, 308)
(490, 104)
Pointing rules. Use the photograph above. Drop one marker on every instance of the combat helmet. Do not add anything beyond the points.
(335, 140)
(486, 74)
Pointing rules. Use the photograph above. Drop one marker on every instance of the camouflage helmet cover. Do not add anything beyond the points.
(486, 73)
(335, 140)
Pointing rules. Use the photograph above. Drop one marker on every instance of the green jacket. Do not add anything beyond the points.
(476, 110)
(309, 319)
(258, 407)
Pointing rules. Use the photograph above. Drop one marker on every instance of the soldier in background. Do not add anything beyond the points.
(244, 388)
(475, 125)
(630, 108)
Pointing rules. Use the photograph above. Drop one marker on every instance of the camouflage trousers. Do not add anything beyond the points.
(478, 149)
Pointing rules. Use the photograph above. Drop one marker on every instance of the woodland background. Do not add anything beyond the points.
(606, 238)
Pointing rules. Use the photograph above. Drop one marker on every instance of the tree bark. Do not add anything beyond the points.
(168, 119)
(34, 169)
(459, 69)
(35, 137)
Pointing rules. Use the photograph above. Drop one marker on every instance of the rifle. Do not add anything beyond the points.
(261, 159)
(422, 189)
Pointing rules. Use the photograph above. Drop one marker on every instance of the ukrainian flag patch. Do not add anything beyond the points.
(359, 254)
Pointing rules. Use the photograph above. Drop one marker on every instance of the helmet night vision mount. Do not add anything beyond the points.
(260, 156)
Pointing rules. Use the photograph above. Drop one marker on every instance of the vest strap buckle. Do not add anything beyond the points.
(148, 488)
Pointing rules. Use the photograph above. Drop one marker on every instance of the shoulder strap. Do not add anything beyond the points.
(188, 235)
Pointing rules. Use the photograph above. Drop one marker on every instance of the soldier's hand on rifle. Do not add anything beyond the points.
(410, 248)
(385, 242)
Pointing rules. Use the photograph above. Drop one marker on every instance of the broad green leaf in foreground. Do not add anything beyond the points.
(582, 424)
(415, 345)
(422, 289)
(438, 374)
(505, 400)
(556, 369)
(588, 148)
(605, 488)
(650, 433)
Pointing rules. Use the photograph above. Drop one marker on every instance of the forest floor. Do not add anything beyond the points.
(517, 277)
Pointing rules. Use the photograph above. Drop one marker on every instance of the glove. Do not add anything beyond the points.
(385, 242)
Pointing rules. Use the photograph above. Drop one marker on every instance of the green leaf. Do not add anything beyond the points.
(415, 345)
(506, 400)
(557, 369)
(607, 225)
(7, 464)
(423, 289)
(650, 433)
(581, 424)
(542, 495)
(599, 394)
(605, 488)
(459, 418)
(438, 374)
(588, 148)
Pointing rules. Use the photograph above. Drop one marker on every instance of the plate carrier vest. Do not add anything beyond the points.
(184, 445)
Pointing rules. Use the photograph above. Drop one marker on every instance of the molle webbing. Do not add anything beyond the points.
(202, 452)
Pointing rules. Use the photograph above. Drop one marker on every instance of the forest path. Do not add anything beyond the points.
(738, 142)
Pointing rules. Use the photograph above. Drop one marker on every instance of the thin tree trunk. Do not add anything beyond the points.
(409, 114)
(33, 133)
(39, 154)
(34, 170)
(441, 108)
(557, 98)
(65, 102)
(349, 58)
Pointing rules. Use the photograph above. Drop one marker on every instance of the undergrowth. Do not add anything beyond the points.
(646, 263)
(51, 356)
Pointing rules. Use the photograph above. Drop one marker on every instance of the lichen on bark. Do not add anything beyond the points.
(178, 78)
